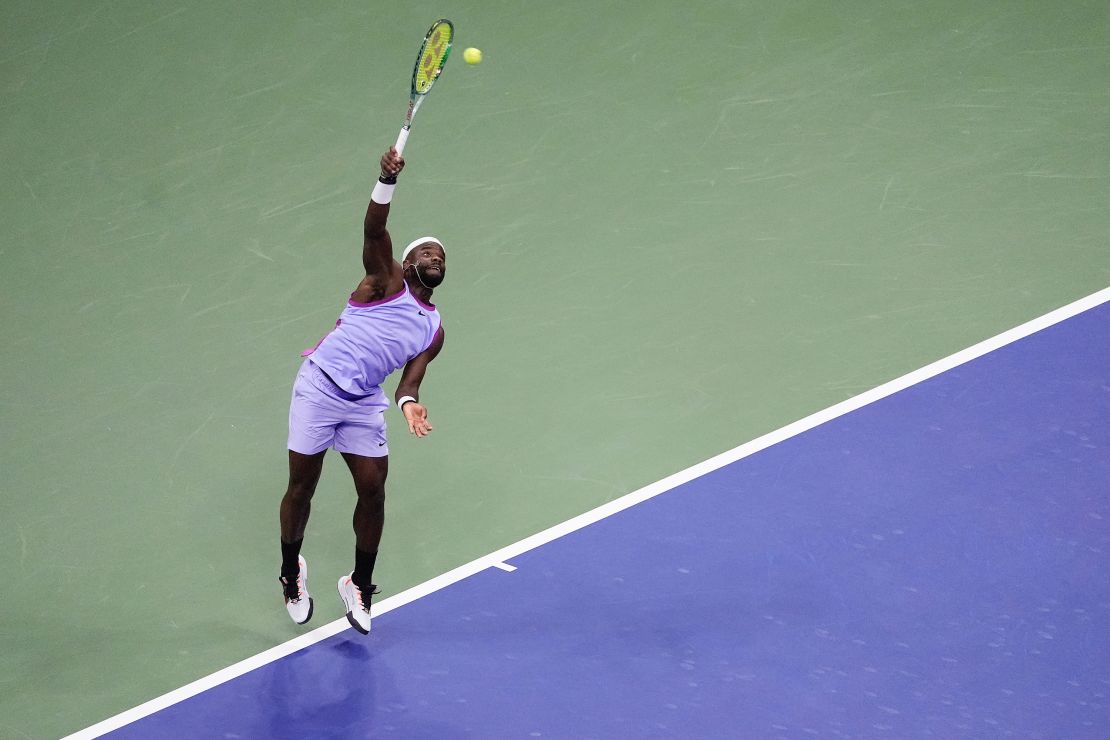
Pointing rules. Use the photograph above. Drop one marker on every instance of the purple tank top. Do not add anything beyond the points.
(371, 340)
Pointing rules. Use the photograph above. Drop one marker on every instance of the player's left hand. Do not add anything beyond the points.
(417, 417)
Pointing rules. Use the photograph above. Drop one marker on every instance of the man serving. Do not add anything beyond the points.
(388, 323)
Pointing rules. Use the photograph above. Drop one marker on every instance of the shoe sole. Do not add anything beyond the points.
(354, 623)
(309, 615)
(350, 615)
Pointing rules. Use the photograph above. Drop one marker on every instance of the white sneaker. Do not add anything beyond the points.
(357, 603)
(297, 601)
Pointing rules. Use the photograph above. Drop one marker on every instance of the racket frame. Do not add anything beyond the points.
(416, 98)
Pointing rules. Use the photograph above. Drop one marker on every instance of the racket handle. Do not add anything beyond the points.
(401, 139)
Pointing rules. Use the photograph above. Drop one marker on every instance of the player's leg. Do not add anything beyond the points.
(314, 417)
(363, 442)
(369, 474)
(312, 422)
(296, 505)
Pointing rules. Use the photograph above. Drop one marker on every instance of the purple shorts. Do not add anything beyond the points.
(323, 415)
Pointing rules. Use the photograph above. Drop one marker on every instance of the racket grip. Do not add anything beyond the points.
(401, 139)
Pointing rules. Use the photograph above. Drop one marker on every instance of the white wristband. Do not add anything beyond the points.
(382, 193)
(402, 401)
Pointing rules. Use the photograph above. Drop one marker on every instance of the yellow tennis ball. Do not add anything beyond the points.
(472, 55)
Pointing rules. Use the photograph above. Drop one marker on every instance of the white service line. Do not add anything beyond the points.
(505, 567)
(497, 559)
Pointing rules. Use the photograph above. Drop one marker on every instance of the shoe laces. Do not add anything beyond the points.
(292, 587)
(364, 593)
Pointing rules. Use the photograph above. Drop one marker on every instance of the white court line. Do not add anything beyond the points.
(505, 567)
(497, 559)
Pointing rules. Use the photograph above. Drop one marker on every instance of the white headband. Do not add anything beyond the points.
(417, 242)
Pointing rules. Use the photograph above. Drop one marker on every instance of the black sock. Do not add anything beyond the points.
(363, 576)
(289, 553)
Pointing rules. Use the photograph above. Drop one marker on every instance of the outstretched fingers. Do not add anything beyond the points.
(417, 417)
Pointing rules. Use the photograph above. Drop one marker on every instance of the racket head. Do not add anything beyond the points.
(432, 57)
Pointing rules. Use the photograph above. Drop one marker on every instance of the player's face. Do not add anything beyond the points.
(431, 263)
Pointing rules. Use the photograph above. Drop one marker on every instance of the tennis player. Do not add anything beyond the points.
(388, 323)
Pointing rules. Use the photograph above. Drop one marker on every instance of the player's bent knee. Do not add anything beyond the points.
(301, 490)
(373, 495)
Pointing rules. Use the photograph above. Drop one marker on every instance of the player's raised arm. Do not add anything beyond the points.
(377, 247)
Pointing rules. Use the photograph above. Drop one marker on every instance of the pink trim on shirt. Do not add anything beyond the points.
(310, 350)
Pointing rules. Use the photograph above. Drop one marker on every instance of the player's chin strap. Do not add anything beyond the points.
(416, 269)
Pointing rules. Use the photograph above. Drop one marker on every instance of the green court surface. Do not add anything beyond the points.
(670, 227)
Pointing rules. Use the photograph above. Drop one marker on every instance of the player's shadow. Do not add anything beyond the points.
(341, 689)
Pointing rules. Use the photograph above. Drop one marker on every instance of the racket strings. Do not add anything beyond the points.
(432, 58)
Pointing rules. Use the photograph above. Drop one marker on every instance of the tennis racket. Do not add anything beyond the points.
(429, 66)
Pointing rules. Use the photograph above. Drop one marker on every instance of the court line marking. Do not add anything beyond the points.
(505, 567)
(497, 558)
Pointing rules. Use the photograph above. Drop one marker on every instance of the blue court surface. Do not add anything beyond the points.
(935, 564)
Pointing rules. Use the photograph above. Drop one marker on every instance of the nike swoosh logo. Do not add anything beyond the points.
(381, 444)
(422, 313)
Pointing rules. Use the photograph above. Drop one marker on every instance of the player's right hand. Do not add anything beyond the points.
(392, 163)
(417, 417)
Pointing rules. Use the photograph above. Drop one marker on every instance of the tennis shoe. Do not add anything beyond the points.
(297, 600)
(356, 600)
